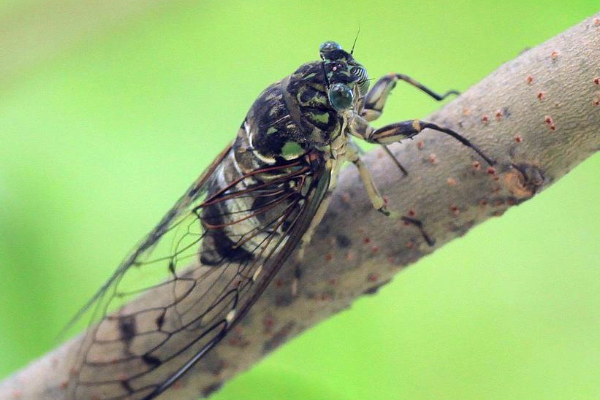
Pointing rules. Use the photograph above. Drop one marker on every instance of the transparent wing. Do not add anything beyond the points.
(231, 237)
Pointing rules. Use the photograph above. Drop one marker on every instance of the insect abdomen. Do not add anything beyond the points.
(235, 225)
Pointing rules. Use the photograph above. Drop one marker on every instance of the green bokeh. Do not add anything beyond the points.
(96, 143)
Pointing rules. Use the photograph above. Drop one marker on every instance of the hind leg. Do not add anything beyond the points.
(305, 241)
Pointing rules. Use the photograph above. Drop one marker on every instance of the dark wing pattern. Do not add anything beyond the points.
(242, 229)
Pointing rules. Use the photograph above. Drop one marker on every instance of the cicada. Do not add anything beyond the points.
(236, 226)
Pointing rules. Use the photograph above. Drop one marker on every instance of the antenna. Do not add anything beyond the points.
(355, 39)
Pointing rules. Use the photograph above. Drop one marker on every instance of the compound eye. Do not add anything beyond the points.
(340, 96)
(327, 47)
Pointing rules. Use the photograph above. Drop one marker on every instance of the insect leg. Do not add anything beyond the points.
(405, 130)
(375, 100)
(367, 179)
(305, 241)
(376, 199)
(376, 97)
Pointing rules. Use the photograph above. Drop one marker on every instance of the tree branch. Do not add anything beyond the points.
(538, 116)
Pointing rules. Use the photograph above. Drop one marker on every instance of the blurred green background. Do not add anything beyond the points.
(108, 110)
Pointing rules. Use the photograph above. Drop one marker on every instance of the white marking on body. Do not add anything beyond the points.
(230, 316)
(235, 163)
(256, 153)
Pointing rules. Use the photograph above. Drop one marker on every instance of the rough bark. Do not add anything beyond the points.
(538, 116)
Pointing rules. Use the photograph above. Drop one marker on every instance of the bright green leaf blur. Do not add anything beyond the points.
(97, 142)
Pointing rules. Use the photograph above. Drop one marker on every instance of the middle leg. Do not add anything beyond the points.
(398, 131)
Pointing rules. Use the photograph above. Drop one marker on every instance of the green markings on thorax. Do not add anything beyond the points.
(291, 150)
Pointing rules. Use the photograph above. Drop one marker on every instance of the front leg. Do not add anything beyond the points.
(398, 131)
(375, 100)
(372, 106)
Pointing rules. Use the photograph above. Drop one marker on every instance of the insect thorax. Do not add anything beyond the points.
(291, 116)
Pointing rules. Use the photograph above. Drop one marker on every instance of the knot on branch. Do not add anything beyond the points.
(524, 180)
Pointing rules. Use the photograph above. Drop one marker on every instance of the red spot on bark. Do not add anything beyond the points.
(485, 119)
(328, 257)
(540, 95)
(550, 122)
(373, 277)
(412, 213)
(455, 210)
(597, 101)
(554, 55)
(596, 21)
(420, 145)
(367, 240)
(499, 115)
(597, 81)
(451, 181)
(268, 323)
(466, 111)
(476, 165)
(529, 79)
(491, 170)
(326, 297)
(178, 384)
(483, 202)
(432, 158)
(518, 138)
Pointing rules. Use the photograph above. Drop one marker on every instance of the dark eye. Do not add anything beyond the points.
(340, 96)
